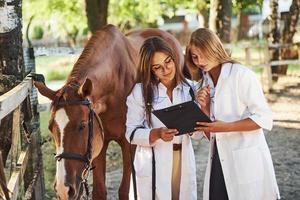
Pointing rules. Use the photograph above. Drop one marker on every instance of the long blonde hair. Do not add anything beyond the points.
(210, 46)
(146, 77)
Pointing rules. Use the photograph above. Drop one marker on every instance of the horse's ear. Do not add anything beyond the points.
(86, 88)
(44, 90)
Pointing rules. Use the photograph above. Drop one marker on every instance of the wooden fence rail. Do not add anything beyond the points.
(13, 98)
(20, 152)
(265, 63)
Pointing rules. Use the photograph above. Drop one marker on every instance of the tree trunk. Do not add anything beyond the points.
(220, 18)
(290, 22)
(242, 25)
(96, 12)
(239, 25)
(275, 37)
(205, 14)
(11, 61)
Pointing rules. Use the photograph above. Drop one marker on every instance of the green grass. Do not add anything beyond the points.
(48, 149)
(293, 68)
(55, 67)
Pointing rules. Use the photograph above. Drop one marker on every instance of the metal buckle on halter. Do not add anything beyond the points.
(86, 172)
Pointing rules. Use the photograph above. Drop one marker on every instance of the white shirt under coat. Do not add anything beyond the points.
(136, 116)
(245, 157)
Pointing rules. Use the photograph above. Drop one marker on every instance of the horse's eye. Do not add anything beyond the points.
(81, 126)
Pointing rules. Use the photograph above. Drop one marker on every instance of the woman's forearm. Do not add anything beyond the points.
(242, 125)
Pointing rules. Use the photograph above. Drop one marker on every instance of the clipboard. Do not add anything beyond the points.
(182, 117)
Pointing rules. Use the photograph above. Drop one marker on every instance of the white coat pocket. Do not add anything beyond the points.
(248, 165)
(143, 161)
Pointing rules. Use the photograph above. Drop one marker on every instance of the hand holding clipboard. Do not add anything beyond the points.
(182, 117)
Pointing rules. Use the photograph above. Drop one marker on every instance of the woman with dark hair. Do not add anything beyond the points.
(240, 164)
(160, 84)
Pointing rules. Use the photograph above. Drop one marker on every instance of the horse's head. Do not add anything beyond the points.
(78, 136)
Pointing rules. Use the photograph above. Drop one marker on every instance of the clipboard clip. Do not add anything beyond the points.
(174, 108)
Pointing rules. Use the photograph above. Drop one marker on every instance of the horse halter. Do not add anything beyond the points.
(88, 155)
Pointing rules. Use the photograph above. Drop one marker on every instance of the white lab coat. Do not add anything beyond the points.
(136, 116)
(245, 157)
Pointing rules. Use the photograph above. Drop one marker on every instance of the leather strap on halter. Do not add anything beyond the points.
(75, 156)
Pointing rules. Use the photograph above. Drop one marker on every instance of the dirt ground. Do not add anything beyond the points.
(283, 141)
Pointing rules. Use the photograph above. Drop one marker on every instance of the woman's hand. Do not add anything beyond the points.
(162, 133)
(203, 98)
(220, 126)
(216, 126)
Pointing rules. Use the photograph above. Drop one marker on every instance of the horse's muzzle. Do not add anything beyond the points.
(69, 191)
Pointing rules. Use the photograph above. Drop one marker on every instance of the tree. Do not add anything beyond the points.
(220, 18)
(64, 20)
(96, 12)
(290, 22)
(11, 61)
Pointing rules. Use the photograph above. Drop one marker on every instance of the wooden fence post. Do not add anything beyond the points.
(36, 185)
(15, 144)
(248, 57)
(298, 47)
(267, 69)
(3, 187)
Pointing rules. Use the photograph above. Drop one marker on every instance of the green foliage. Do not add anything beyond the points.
(246, 6)
(37, 33)
(196, 5)
(67, 19)
(64, 19)
(128, 13)
(144, 13)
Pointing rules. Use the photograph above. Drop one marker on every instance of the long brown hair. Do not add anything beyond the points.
(210, 45)
(146, 77)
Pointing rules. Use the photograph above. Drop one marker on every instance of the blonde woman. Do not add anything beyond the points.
(239, 165)
(161, 158)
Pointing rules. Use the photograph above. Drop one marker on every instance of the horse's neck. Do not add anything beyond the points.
(112, 80)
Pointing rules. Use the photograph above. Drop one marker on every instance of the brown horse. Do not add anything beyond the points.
(104, 75)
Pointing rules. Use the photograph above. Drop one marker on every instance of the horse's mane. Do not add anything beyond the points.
(93, 52)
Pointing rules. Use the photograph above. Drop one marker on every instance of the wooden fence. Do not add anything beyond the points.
(24, 166)
(265, 61)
